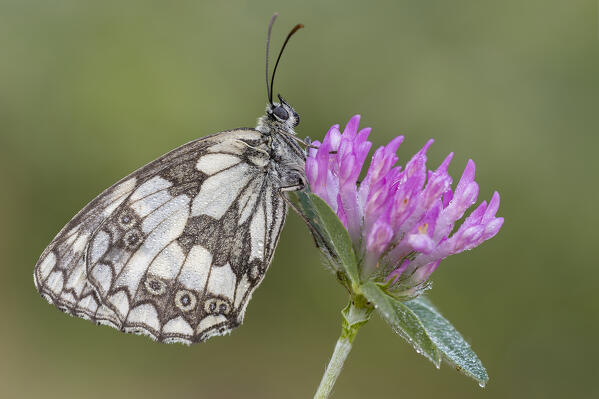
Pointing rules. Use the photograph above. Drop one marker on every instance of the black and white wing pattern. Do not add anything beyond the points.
(175, 249)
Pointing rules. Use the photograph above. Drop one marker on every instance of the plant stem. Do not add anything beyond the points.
(355, 315)
(342, 349)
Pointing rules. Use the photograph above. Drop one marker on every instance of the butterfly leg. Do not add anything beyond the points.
(308, 143)
(253, 148)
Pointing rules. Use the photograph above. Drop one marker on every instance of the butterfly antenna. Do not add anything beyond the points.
(272, 79)
(272, 21)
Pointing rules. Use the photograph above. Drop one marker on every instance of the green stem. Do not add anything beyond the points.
(355, 315)
(333, 370)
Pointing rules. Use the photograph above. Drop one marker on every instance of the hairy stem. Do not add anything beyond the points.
(355, 315)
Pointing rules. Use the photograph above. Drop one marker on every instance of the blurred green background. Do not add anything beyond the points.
(89, 91)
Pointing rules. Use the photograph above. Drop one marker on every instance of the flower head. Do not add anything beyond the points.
(402, 222)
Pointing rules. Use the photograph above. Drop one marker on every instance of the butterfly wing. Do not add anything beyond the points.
(175, 249)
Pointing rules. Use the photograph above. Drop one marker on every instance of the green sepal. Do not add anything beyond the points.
(330, 235)
(448, 340)
(355, 315)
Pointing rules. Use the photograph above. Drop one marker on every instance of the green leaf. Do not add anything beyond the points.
(329, 233)
(402, 320)
(418, 321)
(448, 340)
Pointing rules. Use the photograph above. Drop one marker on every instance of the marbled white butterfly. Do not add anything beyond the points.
(175, 250)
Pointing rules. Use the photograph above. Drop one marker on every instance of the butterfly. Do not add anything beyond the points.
(175, 250)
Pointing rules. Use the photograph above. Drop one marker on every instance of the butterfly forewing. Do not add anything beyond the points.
(175, 249)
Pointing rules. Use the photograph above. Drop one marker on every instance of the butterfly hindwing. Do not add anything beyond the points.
(175, 249)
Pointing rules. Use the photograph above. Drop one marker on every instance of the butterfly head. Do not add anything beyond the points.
(282, 115)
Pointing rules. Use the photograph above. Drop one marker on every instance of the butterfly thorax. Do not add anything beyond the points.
(287, 157)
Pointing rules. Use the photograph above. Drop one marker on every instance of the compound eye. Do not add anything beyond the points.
(281, 113)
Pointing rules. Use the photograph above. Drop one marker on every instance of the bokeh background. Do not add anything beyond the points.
(89, 91)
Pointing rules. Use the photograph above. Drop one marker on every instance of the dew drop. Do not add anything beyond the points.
(482, 384)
